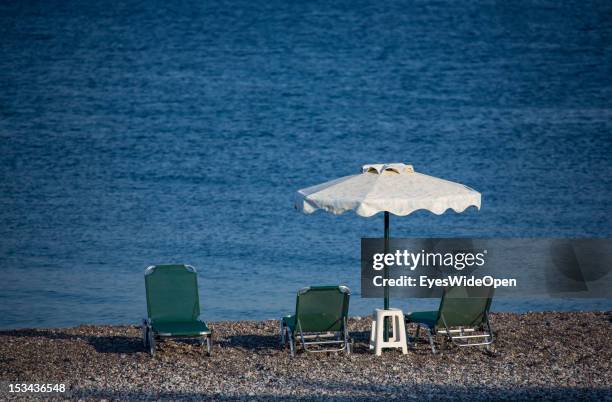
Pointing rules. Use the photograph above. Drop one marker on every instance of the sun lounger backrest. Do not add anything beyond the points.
(322, 308)
(463, 306)
(172, 293)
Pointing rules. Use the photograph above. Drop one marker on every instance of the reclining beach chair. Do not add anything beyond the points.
(463, 320)
(321, 318)
(173, 306)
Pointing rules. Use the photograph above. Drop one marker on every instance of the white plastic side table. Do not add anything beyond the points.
(398, 327)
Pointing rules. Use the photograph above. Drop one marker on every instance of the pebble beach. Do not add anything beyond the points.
(551, 356)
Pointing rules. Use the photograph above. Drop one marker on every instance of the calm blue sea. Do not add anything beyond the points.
(143, 132)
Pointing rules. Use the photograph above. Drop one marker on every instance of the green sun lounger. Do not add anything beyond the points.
(463, 317)
(173, 306)
(321, 318)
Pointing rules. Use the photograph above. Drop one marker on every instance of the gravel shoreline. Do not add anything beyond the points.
(555, 356)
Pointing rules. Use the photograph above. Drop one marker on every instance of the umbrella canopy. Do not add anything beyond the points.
(390, 188)
(393, 187)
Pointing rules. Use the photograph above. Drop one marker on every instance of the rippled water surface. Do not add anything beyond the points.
(134, 133)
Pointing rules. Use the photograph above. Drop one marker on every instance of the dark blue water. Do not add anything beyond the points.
(134, 133)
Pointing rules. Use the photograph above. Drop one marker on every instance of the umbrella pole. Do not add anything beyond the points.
(386, 276)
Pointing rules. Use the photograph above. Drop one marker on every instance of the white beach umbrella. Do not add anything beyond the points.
(390, 188)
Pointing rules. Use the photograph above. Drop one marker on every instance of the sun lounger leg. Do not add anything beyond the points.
(291, 344)
(151, 342)
(431, 340)
(347, 345)
(145, 333)
(283, 340)
(489, 347)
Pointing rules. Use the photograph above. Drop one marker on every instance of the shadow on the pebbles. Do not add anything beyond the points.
(419, 347)
(360, 335)
(372, 391)
(116, 344)
(178, 395)
(102, 344)
(258, 342)
(253, 342)
(351, 391)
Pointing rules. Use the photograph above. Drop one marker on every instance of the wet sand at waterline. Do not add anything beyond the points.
(552, 355)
